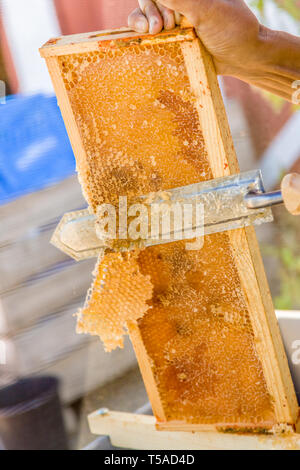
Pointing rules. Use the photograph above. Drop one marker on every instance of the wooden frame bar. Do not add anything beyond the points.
(124, 37)
(132, 431)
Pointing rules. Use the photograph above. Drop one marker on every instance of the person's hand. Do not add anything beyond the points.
(228, 28)
(290, 188)
(239, 44)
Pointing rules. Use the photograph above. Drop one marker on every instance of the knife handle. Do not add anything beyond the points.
(290, 188)
(289, 196)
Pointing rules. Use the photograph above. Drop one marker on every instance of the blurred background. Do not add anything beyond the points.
(40, 287)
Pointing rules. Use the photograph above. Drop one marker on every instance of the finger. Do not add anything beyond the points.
(153, 16)
(178, 18)
(168, 16)
(290, 188)
(186, 7)
(138, 22)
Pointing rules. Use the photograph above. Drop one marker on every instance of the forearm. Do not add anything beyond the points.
(274, 64)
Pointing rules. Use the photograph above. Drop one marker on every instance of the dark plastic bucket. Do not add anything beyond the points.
(31, 415)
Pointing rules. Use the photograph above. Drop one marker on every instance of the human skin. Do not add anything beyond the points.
(290, 187)
(240, 46)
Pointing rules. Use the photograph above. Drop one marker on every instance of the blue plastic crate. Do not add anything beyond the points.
(35, 151)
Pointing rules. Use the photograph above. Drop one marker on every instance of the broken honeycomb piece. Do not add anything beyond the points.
(112, 302)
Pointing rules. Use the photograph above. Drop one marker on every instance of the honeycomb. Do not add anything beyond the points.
(139, 126)
(111, 302)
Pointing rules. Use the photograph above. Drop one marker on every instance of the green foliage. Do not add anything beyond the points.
(258, 4)
(287, 253)
(292, 7)
(289, 296)
(275, 101)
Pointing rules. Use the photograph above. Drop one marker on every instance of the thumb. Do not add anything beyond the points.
(290, 188)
